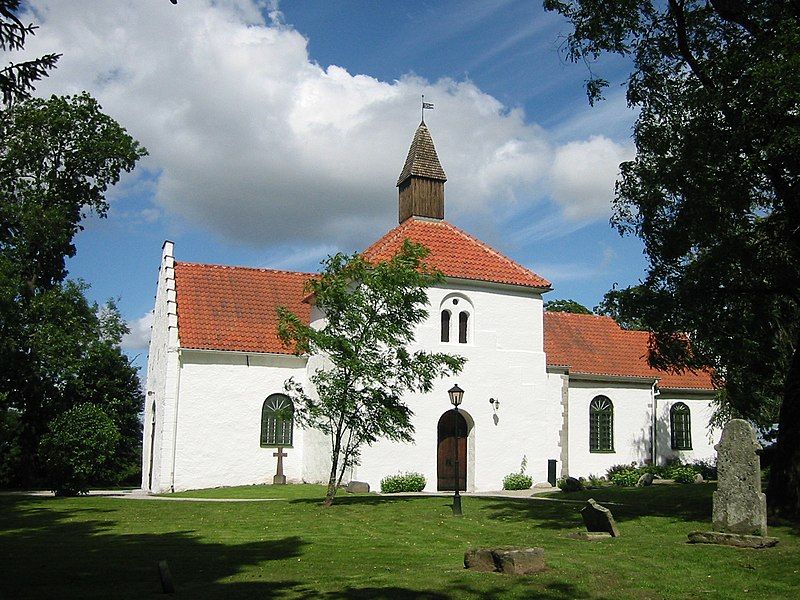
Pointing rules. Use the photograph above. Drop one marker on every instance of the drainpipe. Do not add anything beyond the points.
(175, 424)
(654, 393)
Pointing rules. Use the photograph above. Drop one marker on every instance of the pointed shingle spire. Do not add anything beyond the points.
(421, 181)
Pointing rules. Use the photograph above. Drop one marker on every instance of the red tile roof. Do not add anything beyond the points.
(590, 344)
(234, 308)
(455, 253)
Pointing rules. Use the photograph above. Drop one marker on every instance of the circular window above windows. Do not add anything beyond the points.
(455, 300)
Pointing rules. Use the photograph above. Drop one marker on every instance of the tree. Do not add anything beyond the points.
(714, 193)
(370, 311)
(566, 305)
(17, 79)
(58, 158)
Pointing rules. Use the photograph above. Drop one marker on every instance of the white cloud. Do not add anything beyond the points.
(583, 176)
(139, 336)
(251, 139)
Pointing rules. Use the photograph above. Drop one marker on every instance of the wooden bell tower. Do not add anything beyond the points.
(421, 183)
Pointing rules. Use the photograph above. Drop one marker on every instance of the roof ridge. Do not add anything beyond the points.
(242, 267)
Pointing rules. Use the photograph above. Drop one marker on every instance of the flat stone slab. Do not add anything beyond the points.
(590, 536)
(511, 561)
(732, 539)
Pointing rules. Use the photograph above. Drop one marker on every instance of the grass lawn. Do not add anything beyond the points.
(376, 547)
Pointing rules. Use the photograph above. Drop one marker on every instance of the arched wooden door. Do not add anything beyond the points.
(452, 437)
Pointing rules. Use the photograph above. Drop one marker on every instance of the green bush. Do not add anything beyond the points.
(618, 468)
(595, 481)
(684, 474)
(403, 482)
(517, 481)
(77, 449)
(570, 484)
(706, 468)
(626, 478)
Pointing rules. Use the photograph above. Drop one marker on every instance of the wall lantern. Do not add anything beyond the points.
(456, 394)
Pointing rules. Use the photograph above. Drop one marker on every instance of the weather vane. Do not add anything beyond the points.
(425, 106)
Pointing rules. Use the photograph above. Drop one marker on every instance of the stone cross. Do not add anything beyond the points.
(280, 478)
(739, 505)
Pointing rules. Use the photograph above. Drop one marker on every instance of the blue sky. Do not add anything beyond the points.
(276, 133)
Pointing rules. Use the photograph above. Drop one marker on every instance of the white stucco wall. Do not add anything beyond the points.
(633, 420)
(219, 419)
(505, 362)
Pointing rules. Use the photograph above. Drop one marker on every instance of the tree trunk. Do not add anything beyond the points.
(331, 493)
(783, 492)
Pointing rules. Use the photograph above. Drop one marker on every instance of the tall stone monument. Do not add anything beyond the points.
(739, 513)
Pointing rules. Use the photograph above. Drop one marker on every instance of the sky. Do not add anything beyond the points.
(276, 132)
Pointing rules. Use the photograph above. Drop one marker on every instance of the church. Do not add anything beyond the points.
(569, 394)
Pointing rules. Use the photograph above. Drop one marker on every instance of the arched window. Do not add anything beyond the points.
(680, 425)
(277, 420)
(601, 425)
(445, 325)
(463, 323)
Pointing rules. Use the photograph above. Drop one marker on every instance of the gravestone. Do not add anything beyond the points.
(279, 478)
(739, 512)
(645, 480)
(598, 518)
(739, 505)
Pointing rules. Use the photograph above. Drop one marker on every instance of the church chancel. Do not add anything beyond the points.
(574, 389)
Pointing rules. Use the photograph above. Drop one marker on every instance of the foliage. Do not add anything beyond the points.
(594, 482)
(403, 482)
(714, 193)
(58, 158)
(371, 311)
(684, 474)
(77, 449)
(517, 481)
(566, 305)
(17, 79)
(625, 477)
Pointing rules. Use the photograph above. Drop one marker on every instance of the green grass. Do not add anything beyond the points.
(376, 547)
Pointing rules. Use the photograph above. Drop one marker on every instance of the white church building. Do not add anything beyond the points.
(572, 394)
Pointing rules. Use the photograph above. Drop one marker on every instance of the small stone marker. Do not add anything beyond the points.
(598, 518)
(279, 478)
(572, 485)
(167, 585)
(512, 561)
(698, 478)
(357, 487)
(739, 513)
(646, 480)
(594, 536)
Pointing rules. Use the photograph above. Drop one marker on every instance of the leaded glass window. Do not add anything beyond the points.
(680, 426)
(277, 420)
(601, 425)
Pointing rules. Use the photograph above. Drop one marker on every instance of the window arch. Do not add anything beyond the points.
(601, 425)
(463, 326)
(277, 421)
(445, 326)
(680, 425)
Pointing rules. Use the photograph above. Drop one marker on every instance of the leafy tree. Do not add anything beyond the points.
(714, 193)
(566, 305)
(612, 306)
(370, 311)
(57, 159)
(17, 79)
(77, 449)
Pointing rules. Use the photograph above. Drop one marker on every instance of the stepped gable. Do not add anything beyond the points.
(596, 345)
(455, 253)
(235, 308)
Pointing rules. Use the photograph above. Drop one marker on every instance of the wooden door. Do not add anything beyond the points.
(452, 439)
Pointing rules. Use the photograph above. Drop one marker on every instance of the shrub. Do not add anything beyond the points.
(595, 481)
(403, 482)
(517, 481)
(706, 468)
(626, 478)
(77, 449)
(654, 470)
(617, 468)
(684, 474)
